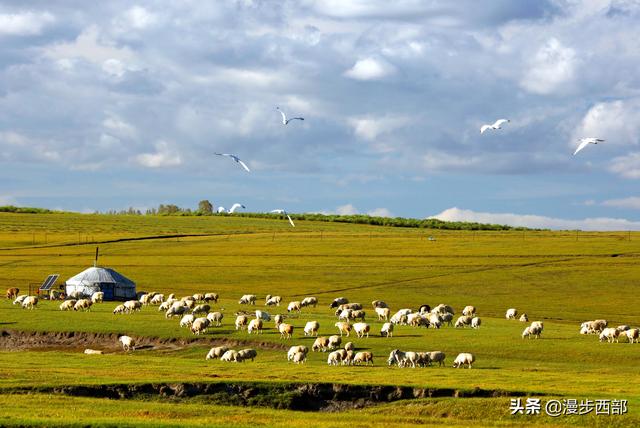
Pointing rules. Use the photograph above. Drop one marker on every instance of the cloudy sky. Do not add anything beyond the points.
(106, 105)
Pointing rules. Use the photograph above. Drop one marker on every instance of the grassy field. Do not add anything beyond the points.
(561, 278)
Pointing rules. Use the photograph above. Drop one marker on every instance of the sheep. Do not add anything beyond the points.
(132, 305)
(247, 354)
(343, 327)
(475, 322)
(120, 309)
(335, 357)
(386, 330)
(399, 318)
(361, 329)
(299, 357)
(633, 334)
(215, 318)
(320, 344)
(30, 302)
(201, 309)
(349, 346)
(230, 355)
(423, 359)
(610, 335)
(442, 309)
(511, 314)
(469, 311)
(83, 304)
(272, 300)
(145, 299)
(264, 316)
(524, 318)
(532, 330)
(198, 297)
(622, 328)
(56, 295)
(447, 317)
(286, 330)
(188, 301)
(20, 299)
(294, 306)
(211, 297)
(599, 325)
(402, 359)
(248, 299)
(172, 296)
(345, 314)
(309, 301)
(241, 322)
(464, 358)
(187, 320)
(437, 357)
(424, 309)
(255, 325)
(436, 318)
(93, 352)
(363, 357)
(334, 341)
(164, 306)
(128, 344)
(175, 310)
(97, 297)
(383, 313)
(278, 319)
(463, 321)
(311, 328)
(338, 301)
(216, 352)
(67, 305)
(200, 325)
(157, 299)
(12, 292)
(538, 324)
(357, 314)
(416, 320)
(295, 349)
(379, 304)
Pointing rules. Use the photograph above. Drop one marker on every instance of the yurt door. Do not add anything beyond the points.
(107, 289)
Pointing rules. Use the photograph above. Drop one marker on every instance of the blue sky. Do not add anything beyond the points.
(117, 104)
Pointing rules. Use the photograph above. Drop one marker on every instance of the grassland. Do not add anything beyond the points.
(561, 278)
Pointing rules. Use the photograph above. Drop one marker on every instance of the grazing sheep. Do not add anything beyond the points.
(403, 359)
(157, 299)
(386, 330)
(211, 297)
(241, 322)
(97, 297)
(363, 357)
(334, 341)
(475, 322)
(610, 335)
(230, 355)
(379, 304)
(320, 344)
(216, 352)
(633, 334)
(255, 325)
(286, 330)
(295, 349)
(383, 313)
(311, 328)
(361, 329)
(187, 320)
(164, 306)
(278, 319)
(175, 310)
(338, 301)
(469, 311)
(132, 305)
(264, 316)
(248, 299)
(399, 318)
(67, 305)
(309, 301)
(532, 330)
(30, 302)
(299, 357)
(463, 321)
(294, 306)
(511, 314)
(447, 318)
(246, 354)
(215, 318)
(272, 300)
(343, 327)
(82, 304)
(344, 314)
(128, 344)
(357, 314)
(437, 357)
(12, 292)
(198, 297)
(424, 359)
(524, 318)
(442, 309)
(424, 309)
(189, 302)
(416, 320)
(120, 309)
(599, 325)
(436, 318)
(20, 299)
(622, 328)
(200, 325)
(464, 358)
(201, 309)
(145, 299)
(349, 346)
(335, 357)
(93, 352)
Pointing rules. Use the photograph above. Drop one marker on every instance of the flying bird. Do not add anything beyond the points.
(286, 121)
(285, 213)
(235, 158)
(497, 125)
(584, 142)
(234, 207)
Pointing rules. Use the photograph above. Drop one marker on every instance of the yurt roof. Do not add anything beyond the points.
(95, 275)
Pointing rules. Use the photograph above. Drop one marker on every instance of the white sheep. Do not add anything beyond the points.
(30, 302)
(294, 306)
(363, 357)
(255, 325)
(334, 341)
(67, 305)
(286, 330)
(175, 310)
(349, 346)
(532, 330)
(247, 354)
(211, 297)
(524, 318)
(512, 313)
(128, 344)
(20, 299)
(82, 304)
(230, 355)
(383, 313)
(187, 320)
(311, 328)
(299, 357)
(386, 330)
(216, 352)
(132, 305)
(442, 309)
(241, 322)
(198, 297)
(295, 349)
(343, 327)
(278, 319)
(272, 300)
(361, 329)
(469, 311)
(215, 318)
(120, 309)
(403, 359)
(200, 325)
(399, 318)
(336, 357)
(475, 322)
(633, 334)
(320, 344)
(464, 358)
(248, 299)
(264, 316)
(309, 301)
(157, 299)
(437, 357)
(610, 335)
(436, 318)
(338, 301)
(145, 299)
(379, 304)
(447, 317)
(463, 321)
(201, 309)
(97, 297)
(345, 314)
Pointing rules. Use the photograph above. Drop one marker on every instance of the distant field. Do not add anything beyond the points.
(561, 278)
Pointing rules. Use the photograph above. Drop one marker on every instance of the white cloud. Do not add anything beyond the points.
(632, 202)
(89, 46)
(370, 69)
(370, 127)
(164, 156)
(626, 166)
(25, 23)
(551, 69)
(618, 122)
(537, 221)
(114, 67)
(139, 18)
(119, 127)
(347, 209)
(380, 212)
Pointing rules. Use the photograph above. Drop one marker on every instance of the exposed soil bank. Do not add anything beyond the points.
(294, 396)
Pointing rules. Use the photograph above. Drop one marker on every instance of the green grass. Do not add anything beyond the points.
(552, 276)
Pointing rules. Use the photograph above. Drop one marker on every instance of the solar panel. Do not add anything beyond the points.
(48, 283)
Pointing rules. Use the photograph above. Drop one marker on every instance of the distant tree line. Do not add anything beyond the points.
(24, 210)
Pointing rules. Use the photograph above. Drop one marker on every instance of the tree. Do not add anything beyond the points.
(205, 207)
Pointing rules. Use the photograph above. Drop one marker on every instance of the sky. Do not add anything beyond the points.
(110, 105)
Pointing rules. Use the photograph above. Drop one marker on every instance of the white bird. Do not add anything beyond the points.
(286, 121)
(586, 141)
(496, 125)
(285, 213)
(234, 207)
(235, 158)
(221, 210)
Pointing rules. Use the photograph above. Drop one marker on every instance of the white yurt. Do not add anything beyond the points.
(114, 285)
